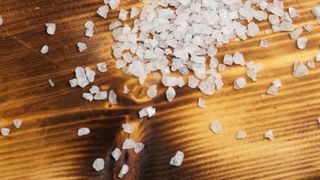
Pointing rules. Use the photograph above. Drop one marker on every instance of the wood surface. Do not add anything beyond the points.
(47, 147)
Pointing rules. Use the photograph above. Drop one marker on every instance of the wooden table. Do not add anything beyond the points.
(47, 146)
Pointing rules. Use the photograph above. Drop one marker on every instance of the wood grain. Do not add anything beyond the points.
(46, 147)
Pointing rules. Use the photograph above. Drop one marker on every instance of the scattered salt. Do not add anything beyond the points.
(103, 11)
(112, 97)
(123, 15)
(114, 4)
(293, 12)
(177, 159)
(264, 43)
(138, 147)
(83, 131)
(74, 82)
(302, 43)
(100, 96)
(87, 96)
(201, 103)
(102, 67)
(90, 74)
(94, 89)
(98, 164)
(116, 153)
(170, 94)
(51, 82)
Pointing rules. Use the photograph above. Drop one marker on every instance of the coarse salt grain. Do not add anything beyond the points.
(152, 91)
(296, 33)
(51, 82)
(274, 89)
(216, 127)
(100, 96)
(73, 82)
(302, 43)
(116, 153)
(177, 159)
(125, 89)
(311, 64)
(123, 15)
(128, 144)
(98, 164)
(269, 135)
(308, 27)
(134, 12)
(51, 28)
(124, 170)
(103, 11)
(299, 69)
(241, 135)
(5, 131)
(147, 112)
(170, 94)
(87, 96)
(1, 20)
(138, 147)
(112, 97)
(114, 4)
(127, 128)
(264, 43)
(17, 123)
(83, 131)
(201, 103)
(94, 89)
(240, 83)
(293, 12)
(102, 67)
(316, 11)
(82, 46)
(44, 49)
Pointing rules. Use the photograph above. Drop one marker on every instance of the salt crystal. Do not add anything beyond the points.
(302, 43)
(103, 11)
(5, 131)
(94, 89)
(73, 82)
(152, 91)
(124, 170)
(17, 123)
(147, 112)
(316, 11)
(253, 29)
(311, 64)
(300, 69)
(51, 28)
(116, 153)
(318, 57)
(138, 147)
(193, 81)
(228, 60)
(90, 74)
(170, 94)
(286, 26)
(127, 128)
(114, 4)
(177, 159)
(238, 58)
(212, 51)
(89, 25)
(216, 127)
(201, 103)
(273, 90)
(207, 86)
(112, 97)
(134, 12)
(100, 96)
(125, 89)
(296, 33)
(89, 32)
(308, 27)
(240, 83)
(102, 67)
(277, 83)
(241, 135)
(273, 19)
(269, 135)
(82, 46)
(123, 14)
(51, 83)
(98, 164)
(83, 131)
(252, 75)
(222, 67)
(264, 43)
(128, 144)
(293, 12)
(115, 24)
(44, 49)
(1, 20)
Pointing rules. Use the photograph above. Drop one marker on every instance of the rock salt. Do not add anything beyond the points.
(83, 131)
(112, 97)
(5, 131)
(102, 67)
(124, 170)
(51, 82)
(300, 69)
(241, 135)
(216, 127)
(201, 103)
(44, 49)
(269, 135)
(240, 83)
(100, 96)
(127, 128)
(116, 153)
(152, 91)
(82, 46)
(147, 112)
(17, 123)
(103, 11)
(177, 159)
(302, 43)
(138, 147)
(170, 94)
(311, 64)
(125, 89)
(98, 164)
(51, 28)
(128, 144)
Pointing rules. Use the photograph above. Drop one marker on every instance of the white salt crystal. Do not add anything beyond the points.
(228, 60)
(124, 170)
(252, 75)
(264, 43)
(253, 29)
(1, 20)
(112, 97)
(240, 83)
(138, 147)
(286, 26)
(170, 94)
(177, 159)
(127, 128)
(51, 28)
(102, 67)
(17, 123)
(318, 118)
(193, 81)
(89, 25)
(207, 86)
(51, 83)
(300, 69)
(241, 135)
(308, 27)
(277, 83)
(116, 153)
(5, 131)
(103, 11)
(82, 46)
(114, 4)
(147, 112)
(100, 96)
(293, 12)
(302, 43)
(296, 33)
(222, 67)
(98, 164)
(216, 127)
(83, 131)
(94, 89)
(318, 57)
(44, 49)
(316, 11)
(212, 51)
(125, 89)
(89, 32)
(311, 64)
(201, 103)
(115, 24)
(128, 144)
(152, 91)
(238, 58)
(134, 12)
(269, 135)
(273, 19)
(73, 82)
(273, 90)
(123, 15)
(90, 74)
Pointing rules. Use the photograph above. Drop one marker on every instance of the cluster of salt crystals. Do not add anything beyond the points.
(187, 32)
(98, 164)
(104, 9)
(131, 144)
(269, 135)
(83, 131)
(241, 134)
(83, 77)
(147, 112)
(177, 159)
(216, 127)
(274, 89)
(89, 28)
(51, 28)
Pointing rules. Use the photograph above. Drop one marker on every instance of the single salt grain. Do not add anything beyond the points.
(201, 103)
(238, 58)
(311, 64)
(1, 20)
(152, 91)
(134, 12)
(193, 81)
(308, 27)
(207, 86)
(241, 135)
(114, 4)
(89, 25)
(147, 112)
(90, 74)
(302, 43)
(177, 159)
(51, 28)
(318, 57)
(98, 164)
(17, 123)
(128, 144)
(73, 82)
(112, 97)
(100, 96)
(277, 83)
(124, 170)
(51, 83)
(123, 15)
(264, 43)
(216, 127)
(274, 89)
(116, 153)
(82, 46)
(44, 49)
(222, 67)
(253, 29)
(127, 128)
(94, 89)
(115, 24)
(102, 67)
(138, 147)
(5, 131)
(240, 83)
(103, 11)
(269, 135)
(293, 12)
(170, 94)
(228, 59)
(83, 131)
(296, 33)
(300, 69)
(89, 32)
(125, 89)
(316, 11)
